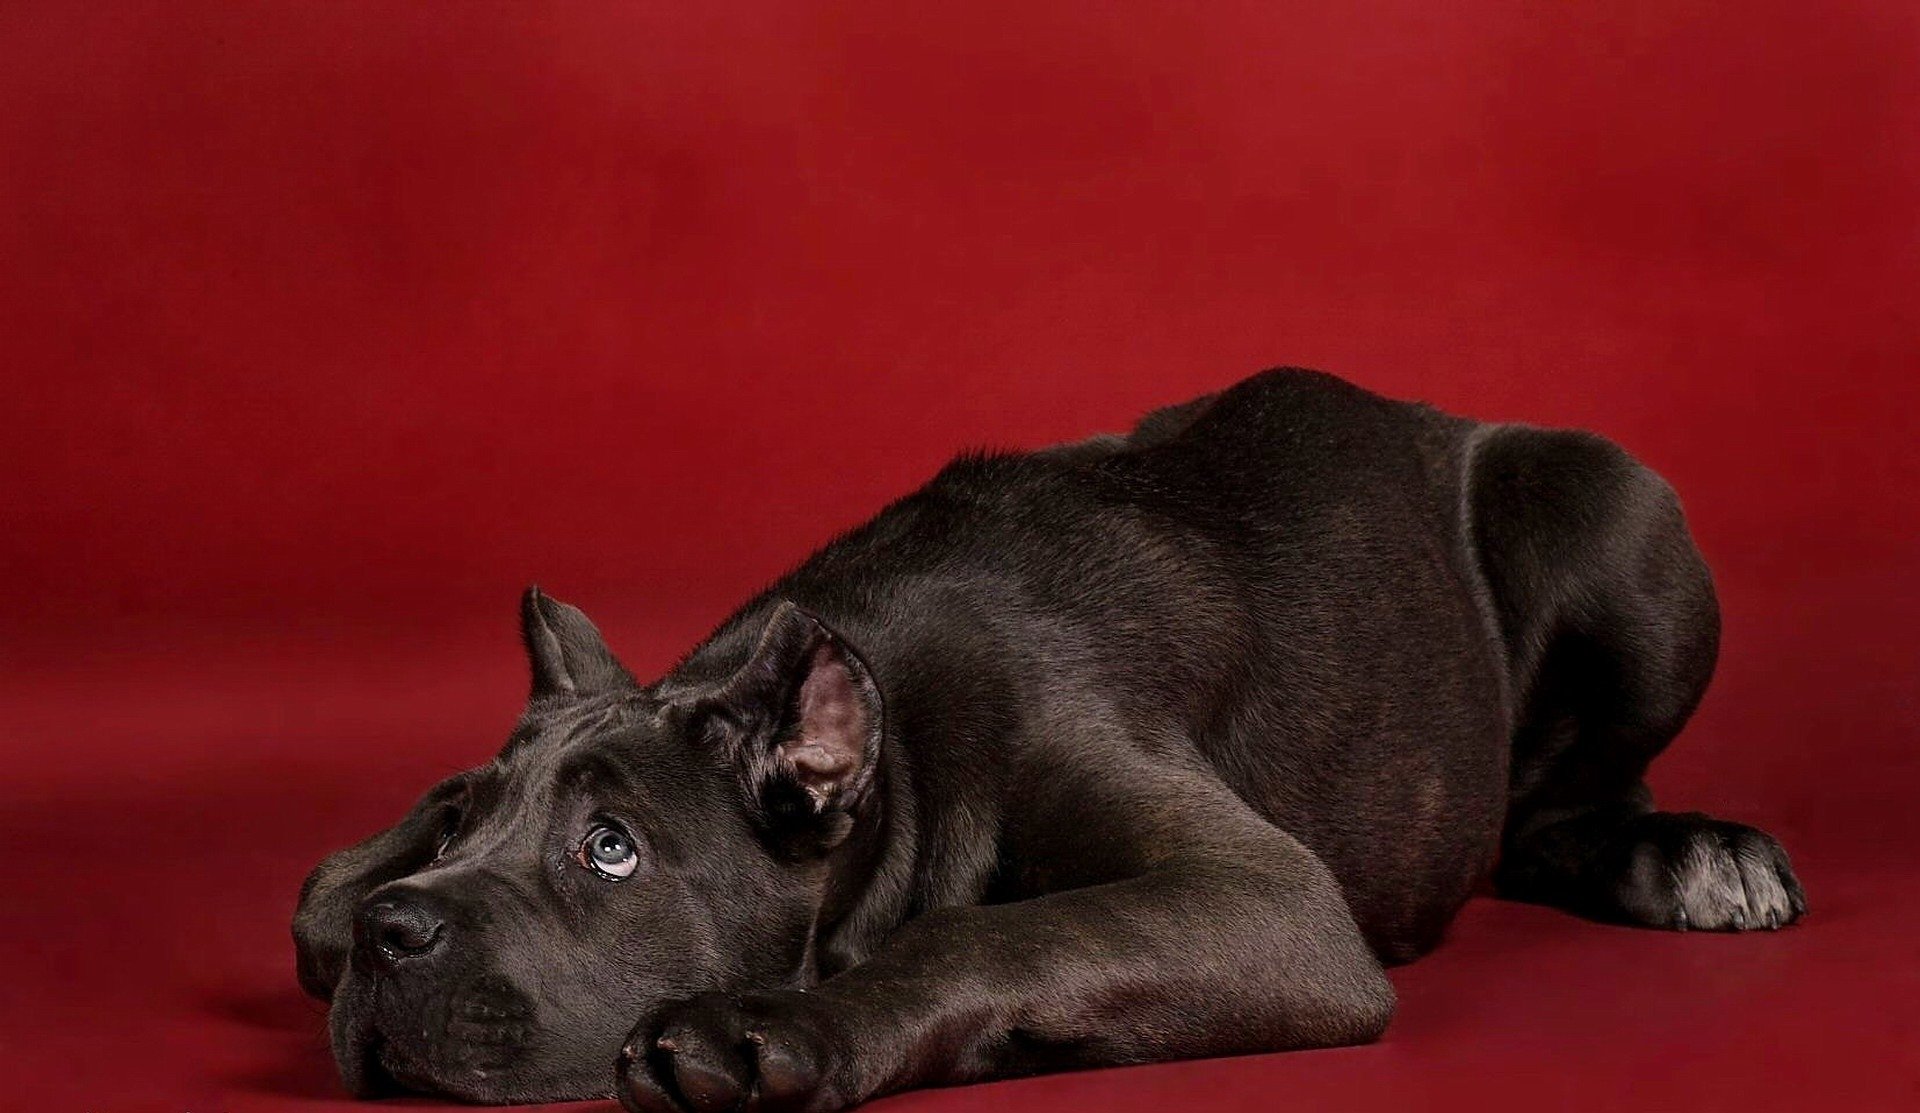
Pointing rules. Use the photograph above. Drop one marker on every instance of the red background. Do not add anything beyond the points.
(327, 327)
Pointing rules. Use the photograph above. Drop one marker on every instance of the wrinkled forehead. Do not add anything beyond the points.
(550, 732)
(600, 750)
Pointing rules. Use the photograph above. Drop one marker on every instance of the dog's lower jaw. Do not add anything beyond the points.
(371, 1065)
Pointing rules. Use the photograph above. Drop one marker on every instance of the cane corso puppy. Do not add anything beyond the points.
(1140, 748)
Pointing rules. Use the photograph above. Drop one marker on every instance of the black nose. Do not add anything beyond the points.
(394, 929)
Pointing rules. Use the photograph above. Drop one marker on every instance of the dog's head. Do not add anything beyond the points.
(629, 846)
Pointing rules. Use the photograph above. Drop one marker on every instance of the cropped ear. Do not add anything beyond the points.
(568, 656)
(802, 719)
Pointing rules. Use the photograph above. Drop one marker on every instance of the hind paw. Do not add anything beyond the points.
(1693, 872)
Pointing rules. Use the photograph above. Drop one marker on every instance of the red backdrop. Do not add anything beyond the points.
(326, 327)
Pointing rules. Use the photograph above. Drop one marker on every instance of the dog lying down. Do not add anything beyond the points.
(1141, 748)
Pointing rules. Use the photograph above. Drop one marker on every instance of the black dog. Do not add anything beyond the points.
(1134, 749)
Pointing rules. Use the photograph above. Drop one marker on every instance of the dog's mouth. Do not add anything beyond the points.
(358, 1043)
(380, 1070)
(370, 1076)
(382, 1047)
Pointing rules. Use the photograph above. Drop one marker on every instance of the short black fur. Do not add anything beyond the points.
(1144, 747)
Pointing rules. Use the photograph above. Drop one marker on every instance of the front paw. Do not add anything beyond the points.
(721, 1052)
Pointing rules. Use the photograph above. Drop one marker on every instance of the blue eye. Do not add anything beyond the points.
(609, 852)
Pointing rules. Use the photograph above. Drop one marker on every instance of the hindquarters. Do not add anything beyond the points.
(1603, 603)
(1611, 626)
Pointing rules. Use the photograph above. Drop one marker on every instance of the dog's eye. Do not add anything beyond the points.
(609, 852)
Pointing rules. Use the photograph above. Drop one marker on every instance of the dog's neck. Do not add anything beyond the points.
(868, 890)
(903, 855)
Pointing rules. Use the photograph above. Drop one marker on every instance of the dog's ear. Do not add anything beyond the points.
(802, 722)
(568, 656)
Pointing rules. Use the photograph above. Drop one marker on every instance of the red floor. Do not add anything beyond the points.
(326, 327)
(155, 837)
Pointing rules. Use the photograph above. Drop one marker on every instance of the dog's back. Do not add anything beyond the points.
(1277, 575)
(1367, 714)
(1333, 597)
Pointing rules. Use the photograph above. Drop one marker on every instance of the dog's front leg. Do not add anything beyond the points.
(1232, 939)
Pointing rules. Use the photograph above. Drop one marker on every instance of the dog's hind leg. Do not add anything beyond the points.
(1611, 627)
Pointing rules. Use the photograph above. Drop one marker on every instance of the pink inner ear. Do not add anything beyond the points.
(830, 739)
